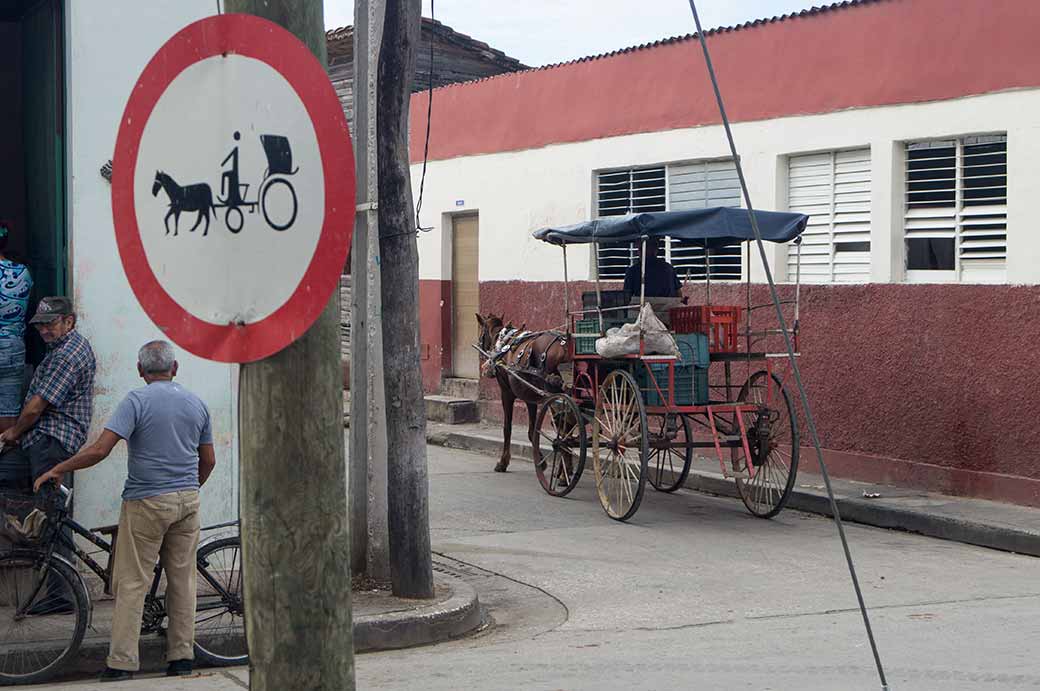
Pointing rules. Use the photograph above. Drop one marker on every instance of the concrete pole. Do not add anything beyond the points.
(295, 529)
(368, 441)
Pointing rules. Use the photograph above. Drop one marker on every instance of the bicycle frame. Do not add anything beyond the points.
(62, 539)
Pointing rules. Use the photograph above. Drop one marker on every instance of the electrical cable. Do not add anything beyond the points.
(810, 421)
(429, 117)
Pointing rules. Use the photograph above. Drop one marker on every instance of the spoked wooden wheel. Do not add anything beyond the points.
(773, 440)
(669, 464)
(620, 446)
(560, 457)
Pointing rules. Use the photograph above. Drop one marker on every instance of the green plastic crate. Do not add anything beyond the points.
(587, 332)
(691, 375)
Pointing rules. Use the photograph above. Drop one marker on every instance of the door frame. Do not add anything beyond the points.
(450, 262)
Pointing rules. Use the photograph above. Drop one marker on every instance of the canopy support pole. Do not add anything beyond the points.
(642, 276)
(797, 284)
(707, 273)
(566, 292)
(599, 298)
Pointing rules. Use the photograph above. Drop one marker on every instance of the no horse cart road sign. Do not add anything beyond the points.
(233, 188)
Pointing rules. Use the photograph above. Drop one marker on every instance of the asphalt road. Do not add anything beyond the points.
(696, 593)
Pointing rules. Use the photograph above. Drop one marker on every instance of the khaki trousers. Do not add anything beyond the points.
(166, 527)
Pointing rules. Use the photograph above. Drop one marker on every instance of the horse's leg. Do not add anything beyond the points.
(166, 222)
(176, 221)
(198, 220)
(507, 428)
(205, 230)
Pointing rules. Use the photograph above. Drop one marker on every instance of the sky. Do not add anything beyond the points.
(541, 32)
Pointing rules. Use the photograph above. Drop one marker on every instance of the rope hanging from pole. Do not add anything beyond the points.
(810, 421)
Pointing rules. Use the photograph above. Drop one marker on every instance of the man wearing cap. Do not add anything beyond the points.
(56, 415)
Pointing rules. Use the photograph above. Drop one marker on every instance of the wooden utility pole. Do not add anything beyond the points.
(295, 529)
(411, 568)
(368, 442)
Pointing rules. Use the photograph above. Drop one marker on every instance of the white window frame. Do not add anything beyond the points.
(951, 220)
(668, 171)
(838, 220)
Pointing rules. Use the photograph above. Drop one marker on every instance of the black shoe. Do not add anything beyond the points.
(115, 675)
(180, 668)
(51, 606)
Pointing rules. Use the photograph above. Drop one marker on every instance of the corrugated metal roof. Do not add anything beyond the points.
(810, 12)
(345, 35)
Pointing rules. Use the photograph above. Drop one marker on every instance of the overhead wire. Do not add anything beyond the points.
(796, 372)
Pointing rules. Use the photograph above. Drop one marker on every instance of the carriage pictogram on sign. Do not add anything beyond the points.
(199, 197)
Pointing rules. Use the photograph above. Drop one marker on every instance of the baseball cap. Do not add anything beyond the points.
(51, 308)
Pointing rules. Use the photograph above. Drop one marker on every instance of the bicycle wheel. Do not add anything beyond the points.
(220, 625)
(44, 610)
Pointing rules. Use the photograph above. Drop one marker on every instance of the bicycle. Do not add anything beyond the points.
(46, 606)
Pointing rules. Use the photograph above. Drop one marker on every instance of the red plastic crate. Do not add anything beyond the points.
(720, 322)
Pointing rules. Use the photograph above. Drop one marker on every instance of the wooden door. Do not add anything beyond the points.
(465, 297)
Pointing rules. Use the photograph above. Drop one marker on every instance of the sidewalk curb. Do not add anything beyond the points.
(865, 511)
(455, 617)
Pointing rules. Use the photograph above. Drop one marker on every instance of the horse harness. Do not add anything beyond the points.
(522, 343)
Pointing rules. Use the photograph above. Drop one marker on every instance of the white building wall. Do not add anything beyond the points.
(107, 46)
(516, 193)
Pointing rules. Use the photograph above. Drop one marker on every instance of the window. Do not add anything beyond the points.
(669, 188)
(956, 209)
(622, 192)
(833, 190)
(699, 186)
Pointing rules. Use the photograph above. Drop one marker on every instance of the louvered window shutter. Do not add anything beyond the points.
(698, 186)
(620, 192)
(833, 190)
(955, 219)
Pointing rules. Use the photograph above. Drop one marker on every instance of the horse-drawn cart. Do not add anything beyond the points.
(643, 415)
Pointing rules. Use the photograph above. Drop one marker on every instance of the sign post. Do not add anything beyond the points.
(233, 201)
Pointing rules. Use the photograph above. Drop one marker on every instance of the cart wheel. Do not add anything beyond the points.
(619, 445)
(561, 446)
(668, 465)
(773, 441)
(233, 212)
(290, 213)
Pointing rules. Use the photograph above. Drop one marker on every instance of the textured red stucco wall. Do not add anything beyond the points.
(888, 52)
(434, 332)
(927, 385)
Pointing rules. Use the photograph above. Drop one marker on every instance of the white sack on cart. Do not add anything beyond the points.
(657, 340)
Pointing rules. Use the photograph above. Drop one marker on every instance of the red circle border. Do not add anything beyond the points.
(257, 38)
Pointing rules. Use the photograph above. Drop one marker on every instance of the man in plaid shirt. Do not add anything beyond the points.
(54, 420)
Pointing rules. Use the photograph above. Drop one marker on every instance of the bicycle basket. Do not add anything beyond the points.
(25, 519)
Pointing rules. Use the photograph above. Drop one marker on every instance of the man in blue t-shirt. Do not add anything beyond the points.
(170, 444)
(661, 281)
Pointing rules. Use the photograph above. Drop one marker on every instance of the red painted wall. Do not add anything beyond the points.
(434, 332)
(922, 385)
(877, 53)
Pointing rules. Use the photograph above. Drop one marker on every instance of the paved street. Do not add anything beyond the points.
(694, 593)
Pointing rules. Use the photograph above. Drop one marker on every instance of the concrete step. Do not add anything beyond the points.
(451, 410)
(461, 388)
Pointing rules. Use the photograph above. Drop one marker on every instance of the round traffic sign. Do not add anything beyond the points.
(233, 188)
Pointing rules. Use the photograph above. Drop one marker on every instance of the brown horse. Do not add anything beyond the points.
(537, 359)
